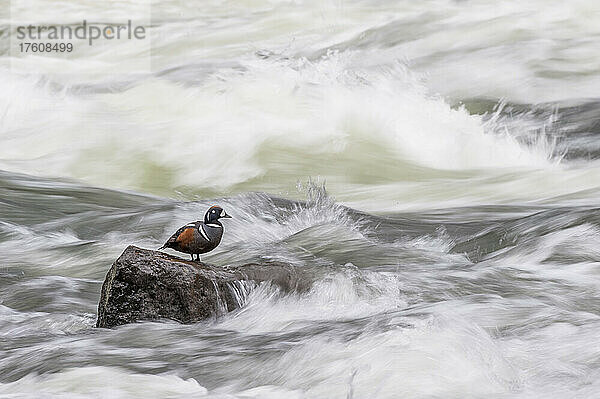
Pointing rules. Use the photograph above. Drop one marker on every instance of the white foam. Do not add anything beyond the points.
(276, 120)
(345, 295)
(218, 118)
(100, 382)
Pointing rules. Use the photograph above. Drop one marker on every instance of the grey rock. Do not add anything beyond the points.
(144, 284)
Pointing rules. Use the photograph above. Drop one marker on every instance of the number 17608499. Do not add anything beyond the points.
(46, 47)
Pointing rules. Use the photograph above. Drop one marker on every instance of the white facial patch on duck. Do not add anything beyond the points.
(223, 214)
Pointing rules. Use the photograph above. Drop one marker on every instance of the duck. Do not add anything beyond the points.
(199, 237)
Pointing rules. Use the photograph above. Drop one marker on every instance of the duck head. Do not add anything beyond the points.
(215, 213)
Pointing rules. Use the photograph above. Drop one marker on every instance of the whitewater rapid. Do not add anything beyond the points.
(432, 166)
(259, 108)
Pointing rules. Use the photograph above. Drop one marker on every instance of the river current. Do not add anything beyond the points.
(432, 166)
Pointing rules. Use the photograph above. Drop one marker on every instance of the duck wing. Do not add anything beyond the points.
(184, 233)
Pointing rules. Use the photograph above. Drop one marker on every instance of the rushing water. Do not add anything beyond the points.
(455, 252)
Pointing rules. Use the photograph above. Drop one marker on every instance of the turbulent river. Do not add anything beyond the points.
(433, 165)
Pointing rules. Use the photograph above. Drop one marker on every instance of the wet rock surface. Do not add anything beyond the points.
(144, 284)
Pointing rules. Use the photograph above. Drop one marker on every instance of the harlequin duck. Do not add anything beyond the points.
(199, 237)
